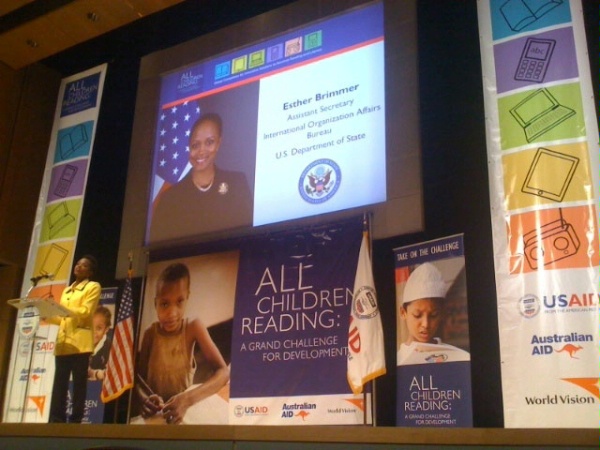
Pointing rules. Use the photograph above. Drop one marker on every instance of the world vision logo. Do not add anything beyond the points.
(589, 384)
(39, 401)
(358, 402)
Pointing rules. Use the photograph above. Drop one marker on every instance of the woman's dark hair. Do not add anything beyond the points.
(93, 263)
(209, 117)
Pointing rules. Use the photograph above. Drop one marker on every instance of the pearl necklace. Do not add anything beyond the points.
(204, 189)
(207, 187)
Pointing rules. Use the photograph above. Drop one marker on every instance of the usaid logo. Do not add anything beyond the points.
(240, 411)
(529, 306)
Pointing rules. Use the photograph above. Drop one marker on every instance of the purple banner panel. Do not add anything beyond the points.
(292, 309)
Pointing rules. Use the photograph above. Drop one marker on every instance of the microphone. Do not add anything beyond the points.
(49, 276)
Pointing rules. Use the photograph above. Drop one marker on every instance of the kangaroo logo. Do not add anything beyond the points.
(303, 415)
(571, 350)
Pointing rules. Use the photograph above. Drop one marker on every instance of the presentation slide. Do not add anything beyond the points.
(287, 128)
(321, 150)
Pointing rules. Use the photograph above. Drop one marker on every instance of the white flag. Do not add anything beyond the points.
(366, 356)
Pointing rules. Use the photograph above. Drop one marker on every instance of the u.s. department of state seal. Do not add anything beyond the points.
(365, 303)
(320, 181)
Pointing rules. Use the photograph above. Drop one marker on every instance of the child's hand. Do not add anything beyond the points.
(152, 405)
(175, 409)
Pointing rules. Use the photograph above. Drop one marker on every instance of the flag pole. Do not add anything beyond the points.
(138, 320)
(367, 229)
(129, 276)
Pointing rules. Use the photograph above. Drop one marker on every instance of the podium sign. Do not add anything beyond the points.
(28, 321)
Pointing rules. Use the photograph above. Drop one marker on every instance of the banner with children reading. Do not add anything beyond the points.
(433, 360)
(290, 329)
(183, 354)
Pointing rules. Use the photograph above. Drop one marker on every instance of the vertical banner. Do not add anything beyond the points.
(54, 237)
(290, 329)
(433, 360)
(542, 144)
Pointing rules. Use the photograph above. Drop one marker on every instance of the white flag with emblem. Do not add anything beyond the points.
(366, 355)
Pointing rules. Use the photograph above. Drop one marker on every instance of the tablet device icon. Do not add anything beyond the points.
(539, 112)
(535, 59)
(54, 259)
(550, 174)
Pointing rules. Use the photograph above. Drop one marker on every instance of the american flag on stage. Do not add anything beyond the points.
(119, 369)
(172, 136)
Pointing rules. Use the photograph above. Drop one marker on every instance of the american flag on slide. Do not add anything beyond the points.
(172, 136)
(118, 376)
(366, 354)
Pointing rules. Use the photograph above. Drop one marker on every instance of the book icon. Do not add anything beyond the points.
(550, 174)
(518, 14)
(539, 112)
(72, 141)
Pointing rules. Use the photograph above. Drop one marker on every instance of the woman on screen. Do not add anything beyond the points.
(423, 312)
(208, 198)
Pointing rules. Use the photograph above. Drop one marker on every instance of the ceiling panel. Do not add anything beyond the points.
(10, 5)
(76, 22)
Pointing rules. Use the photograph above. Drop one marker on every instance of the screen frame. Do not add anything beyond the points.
(401, 213)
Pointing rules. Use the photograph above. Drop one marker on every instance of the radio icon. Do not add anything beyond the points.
(552, 242)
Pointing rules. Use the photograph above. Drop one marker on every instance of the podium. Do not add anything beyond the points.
(45, 306)
(28, 388)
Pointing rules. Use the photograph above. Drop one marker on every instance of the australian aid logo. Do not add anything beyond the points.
(570, 346)
(297, 411)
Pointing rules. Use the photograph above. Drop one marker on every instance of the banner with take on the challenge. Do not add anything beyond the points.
(53, 240)
(290, 329)
(433, 360)
(542, 144)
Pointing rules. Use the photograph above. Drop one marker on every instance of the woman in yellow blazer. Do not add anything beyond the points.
(74, 342)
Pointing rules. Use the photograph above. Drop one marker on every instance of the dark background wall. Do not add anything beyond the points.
(454, 160)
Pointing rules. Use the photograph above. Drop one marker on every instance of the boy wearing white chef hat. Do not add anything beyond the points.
(423, 312)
